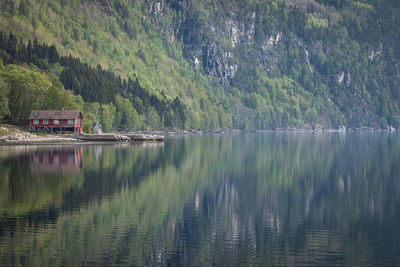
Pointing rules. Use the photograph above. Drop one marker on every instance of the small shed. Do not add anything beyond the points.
(56, 121)
(97, 129)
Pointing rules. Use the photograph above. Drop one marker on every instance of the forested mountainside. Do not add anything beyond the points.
(204, 64)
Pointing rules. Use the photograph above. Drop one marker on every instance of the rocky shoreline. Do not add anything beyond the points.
(11, 135)
(175, 132)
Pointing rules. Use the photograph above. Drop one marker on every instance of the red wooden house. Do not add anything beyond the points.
(56, 121)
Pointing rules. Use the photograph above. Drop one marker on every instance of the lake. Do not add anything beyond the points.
(254, 198)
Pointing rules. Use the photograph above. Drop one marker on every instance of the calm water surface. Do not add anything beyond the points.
(276, 199)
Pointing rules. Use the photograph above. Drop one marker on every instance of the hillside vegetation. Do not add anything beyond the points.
(206, 64)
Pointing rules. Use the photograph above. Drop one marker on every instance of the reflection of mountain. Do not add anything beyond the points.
(119, 186)
(222, 200)
(59, 160)
(299, 200)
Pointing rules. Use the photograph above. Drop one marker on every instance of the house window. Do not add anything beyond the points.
(70, 121)
(45, 121)
(56, 122)
(35, 121)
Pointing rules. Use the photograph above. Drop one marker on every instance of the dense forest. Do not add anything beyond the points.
(105, 98)
(208, 64)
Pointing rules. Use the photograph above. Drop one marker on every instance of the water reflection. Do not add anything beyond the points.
(60, 160)
(264, 199)
(303, 200)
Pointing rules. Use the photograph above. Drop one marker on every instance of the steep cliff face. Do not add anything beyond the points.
(214, 36)
(238, 63)
(312, 42)
(210, 37)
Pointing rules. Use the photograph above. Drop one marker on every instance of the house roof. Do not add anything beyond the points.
(55, 114)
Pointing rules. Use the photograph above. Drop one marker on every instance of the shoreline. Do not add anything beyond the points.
(12, 135)
(175, 132)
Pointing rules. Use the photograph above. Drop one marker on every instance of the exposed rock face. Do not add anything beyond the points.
(348, 79)
(211, 46)
(340, 77)
(375, 53)
(229, 43)
(344, 77)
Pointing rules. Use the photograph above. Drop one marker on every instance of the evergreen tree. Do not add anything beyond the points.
(23, 8)
(4, 90)
(53, 55)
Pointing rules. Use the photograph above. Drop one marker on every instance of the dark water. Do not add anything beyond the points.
(261, 199)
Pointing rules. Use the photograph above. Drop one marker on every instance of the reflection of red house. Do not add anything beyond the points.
(65, 160)
(60, 121)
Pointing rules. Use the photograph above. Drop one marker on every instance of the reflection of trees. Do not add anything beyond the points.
(35, 176)
(300, 200)
(262, 198)
(29, 185)
(125, 196)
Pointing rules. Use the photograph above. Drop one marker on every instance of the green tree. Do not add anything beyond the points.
(107, 117)
(27, 90)
(4, 90)
(127, 117)
(91, 114)
(55, 96)
(152, 119)
(23, 8)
